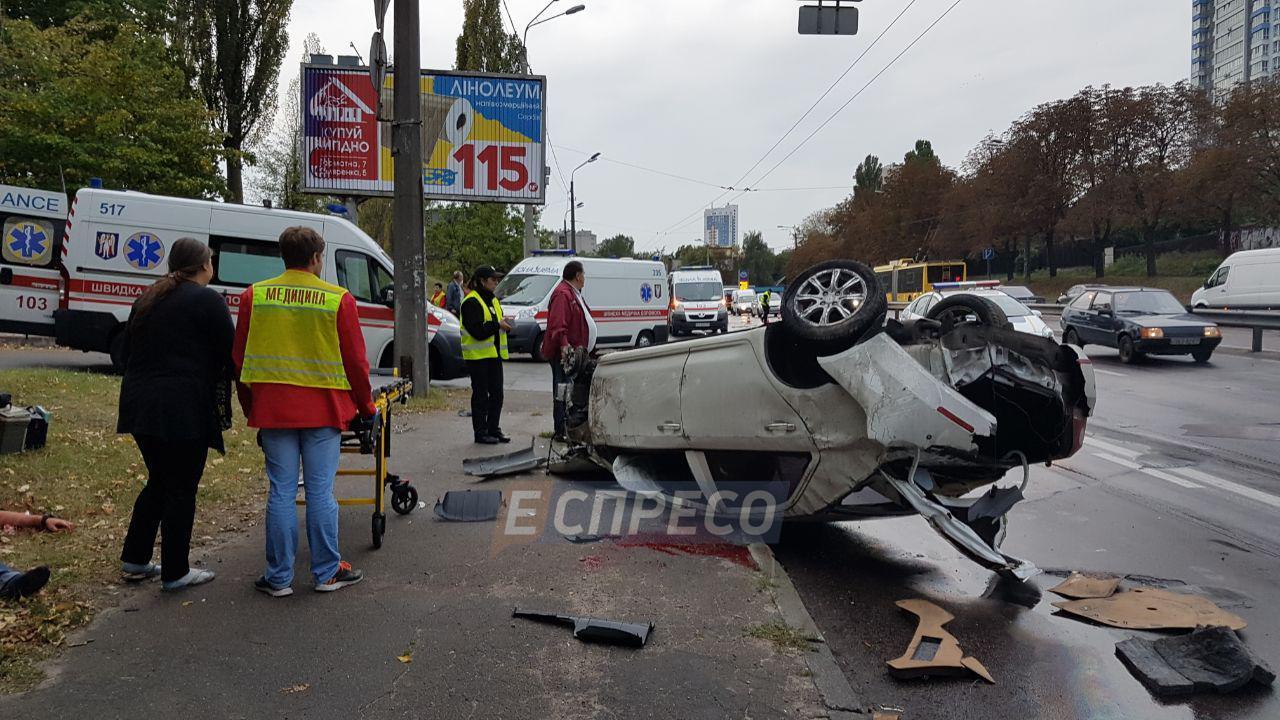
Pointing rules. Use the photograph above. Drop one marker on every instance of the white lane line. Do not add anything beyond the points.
(1108, 372)
(1229, 486)
(1158, 474)
(1118, 450)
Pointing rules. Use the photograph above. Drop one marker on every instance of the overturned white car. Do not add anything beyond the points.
(858, 416)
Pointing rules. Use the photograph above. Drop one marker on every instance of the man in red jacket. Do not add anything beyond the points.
(569, 325)
(303, 377)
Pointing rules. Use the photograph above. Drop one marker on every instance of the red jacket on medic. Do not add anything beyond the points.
(566, 323)
(273, 405)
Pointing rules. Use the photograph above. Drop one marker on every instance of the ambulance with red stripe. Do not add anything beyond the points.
(30, 279)
(115, 245)
(627, 299)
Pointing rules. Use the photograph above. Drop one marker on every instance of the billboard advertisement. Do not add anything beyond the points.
(482, 134)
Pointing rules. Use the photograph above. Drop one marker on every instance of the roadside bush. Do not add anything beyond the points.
(1173, 264)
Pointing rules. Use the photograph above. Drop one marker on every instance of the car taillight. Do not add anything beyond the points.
(1078, 422)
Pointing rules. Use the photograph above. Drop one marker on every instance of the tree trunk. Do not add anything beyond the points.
(1099, 253)
(1026, 257)
(1224, 245)
(1011, 256)
(1048, 251)
(235, 176)
(1149, 243)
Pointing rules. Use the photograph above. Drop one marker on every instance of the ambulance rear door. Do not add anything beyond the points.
(33, 223)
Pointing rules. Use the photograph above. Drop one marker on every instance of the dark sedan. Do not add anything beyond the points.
(1021, 293)
(1074, 291)
(1137, 322)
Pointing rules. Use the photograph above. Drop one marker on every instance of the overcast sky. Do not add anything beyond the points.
(702, 88)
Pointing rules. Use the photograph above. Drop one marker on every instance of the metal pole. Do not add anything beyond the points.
(407, 244)
(573, 219)
(528, 209)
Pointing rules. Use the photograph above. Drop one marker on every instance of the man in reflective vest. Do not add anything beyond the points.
(766, 297)
(484, 347)
(303, 377)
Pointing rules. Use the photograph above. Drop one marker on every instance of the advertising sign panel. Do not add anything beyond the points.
(482, 134)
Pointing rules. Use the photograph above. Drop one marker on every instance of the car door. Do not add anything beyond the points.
(356, 271)
(1079, 317)
(1216, 287)
(29, 278)
(728, 402)
(1102, 327)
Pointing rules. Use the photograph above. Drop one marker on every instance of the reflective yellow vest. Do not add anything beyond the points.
(293, 333)
(473, 349)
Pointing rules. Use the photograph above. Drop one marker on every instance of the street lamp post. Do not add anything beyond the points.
(564, 223)
(795, 234)
(529, 210)
(573, 205)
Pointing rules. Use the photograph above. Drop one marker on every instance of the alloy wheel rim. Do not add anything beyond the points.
(830, 297)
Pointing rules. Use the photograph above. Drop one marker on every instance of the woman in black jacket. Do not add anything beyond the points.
(175, 400)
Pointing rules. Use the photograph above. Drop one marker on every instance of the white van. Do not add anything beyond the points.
(626, 297)
(30, 272)
(115, 246)
(697, 301)
(745, 302)
(1249, 279)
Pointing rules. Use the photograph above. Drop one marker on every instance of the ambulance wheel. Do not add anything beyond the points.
(535, 352)
(379, 527)
(644, 339)
(117, 352)
(404, 499)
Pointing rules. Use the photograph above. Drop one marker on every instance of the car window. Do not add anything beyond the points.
(382, 280)
(1010, 306)
(911, 280)
(30, 241)
(926, 302)
(1083, 300)
(1219, 277)
(354, 274)
(1102, 301)
(1148, 303)
(240, 263)
(698, 290)
(525, 289)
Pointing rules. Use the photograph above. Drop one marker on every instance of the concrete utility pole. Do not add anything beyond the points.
(406, 220)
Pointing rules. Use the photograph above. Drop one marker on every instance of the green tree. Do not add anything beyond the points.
(868, 178)
(279, 176)
(923, 151)
(94, 99)
(757, 259)
(149, 14)
(484, 44)
(233, 50)
(622, 246)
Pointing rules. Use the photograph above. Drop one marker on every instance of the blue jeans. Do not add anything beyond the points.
(6, 574)
(317, 451)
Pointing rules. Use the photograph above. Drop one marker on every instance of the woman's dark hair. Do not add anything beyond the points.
(186, 257)
(571, 269)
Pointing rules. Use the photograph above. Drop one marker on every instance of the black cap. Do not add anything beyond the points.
(484, 272)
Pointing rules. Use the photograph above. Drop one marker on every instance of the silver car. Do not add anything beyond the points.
(1017, 315)
(859, 416)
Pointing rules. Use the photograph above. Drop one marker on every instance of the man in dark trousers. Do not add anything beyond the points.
(569, 325)
(453, 294)
(765, 298)
(484, 347)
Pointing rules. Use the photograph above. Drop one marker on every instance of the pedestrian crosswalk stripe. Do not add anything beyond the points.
(1112, 448)
(1158, 474)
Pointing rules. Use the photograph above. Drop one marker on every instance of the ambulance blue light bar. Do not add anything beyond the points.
(966, 284)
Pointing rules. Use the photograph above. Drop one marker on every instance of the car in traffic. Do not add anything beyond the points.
(1022, 294)
(1138, 321)
(744, 302)
(697, 304)
(858, 416)
(1247, 280)
(1074, 292)
(1012, 312)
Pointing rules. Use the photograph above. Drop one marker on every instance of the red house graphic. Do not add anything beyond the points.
(335, 102)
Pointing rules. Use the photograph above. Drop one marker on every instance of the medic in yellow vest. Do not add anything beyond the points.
(484, 347)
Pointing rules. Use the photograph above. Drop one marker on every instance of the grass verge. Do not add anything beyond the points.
(783, 636)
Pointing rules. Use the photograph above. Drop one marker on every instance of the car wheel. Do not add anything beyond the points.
(961, 309)
(1127, 352)
(833, 304)
(1071, 337)
(1202, 356)
(535, 352)
(644, 339)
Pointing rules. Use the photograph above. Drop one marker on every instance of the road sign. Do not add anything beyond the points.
(988, 253)
(380, 12)
(742, 275)
(378, 67)
(743, 284)
(482, 134)
(817, 20)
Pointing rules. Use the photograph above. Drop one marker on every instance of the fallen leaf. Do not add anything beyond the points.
(405, 658)
(23, 488)
(300, 687)
(188, 602)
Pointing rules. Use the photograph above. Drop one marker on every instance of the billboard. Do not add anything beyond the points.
(482, 134)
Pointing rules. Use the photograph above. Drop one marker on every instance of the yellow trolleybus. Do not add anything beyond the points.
(905, 280)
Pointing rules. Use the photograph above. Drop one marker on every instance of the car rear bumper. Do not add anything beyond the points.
(448, 362)
(1165, 346)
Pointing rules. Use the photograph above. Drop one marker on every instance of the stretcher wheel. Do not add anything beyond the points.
(404, 498)
(379, 527)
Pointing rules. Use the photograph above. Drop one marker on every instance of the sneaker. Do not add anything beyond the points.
(344, 577)
(25, 585)
(262, 586)
(193, 577)
(134, 572)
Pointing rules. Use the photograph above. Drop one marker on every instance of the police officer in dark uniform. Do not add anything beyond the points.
(484, 347)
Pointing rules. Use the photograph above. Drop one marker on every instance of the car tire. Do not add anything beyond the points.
(1071, 337)
(987, 313)
(1202, 356)
(535, 352)
(808, 303)
(644, 339)
(1128, 353)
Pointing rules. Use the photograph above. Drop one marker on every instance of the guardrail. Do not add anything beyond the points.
(1256, 321)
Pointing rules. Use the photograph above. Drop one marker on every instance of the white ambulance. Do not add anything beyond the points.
(626, 297)
(115, 245)
(30, 272)
(697, 301)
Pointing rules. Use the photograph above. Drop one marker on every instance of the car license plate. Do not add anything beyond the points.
(703, 324)
(1184, 341)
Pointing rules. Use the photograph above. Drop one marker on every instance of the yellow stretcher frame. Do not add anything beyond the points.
(375, 440)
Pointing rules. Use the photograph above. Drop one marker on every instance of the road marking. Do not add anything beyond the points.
(1112, 448)
(1158, 474)
(1108, 372)
(1229, 486)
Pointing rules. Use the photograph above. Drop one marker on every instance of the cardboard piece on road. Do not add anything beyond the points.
(933, 651)
(1207, 659)
(886, 715)
(1152, 609)
(1081, 587)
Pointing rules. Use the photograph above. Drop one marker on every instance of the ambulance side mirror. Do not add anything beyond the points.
(387, 296)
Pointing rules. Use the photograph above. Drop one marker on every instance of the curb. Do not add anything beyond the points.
(837, 695)
(1247, 353)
